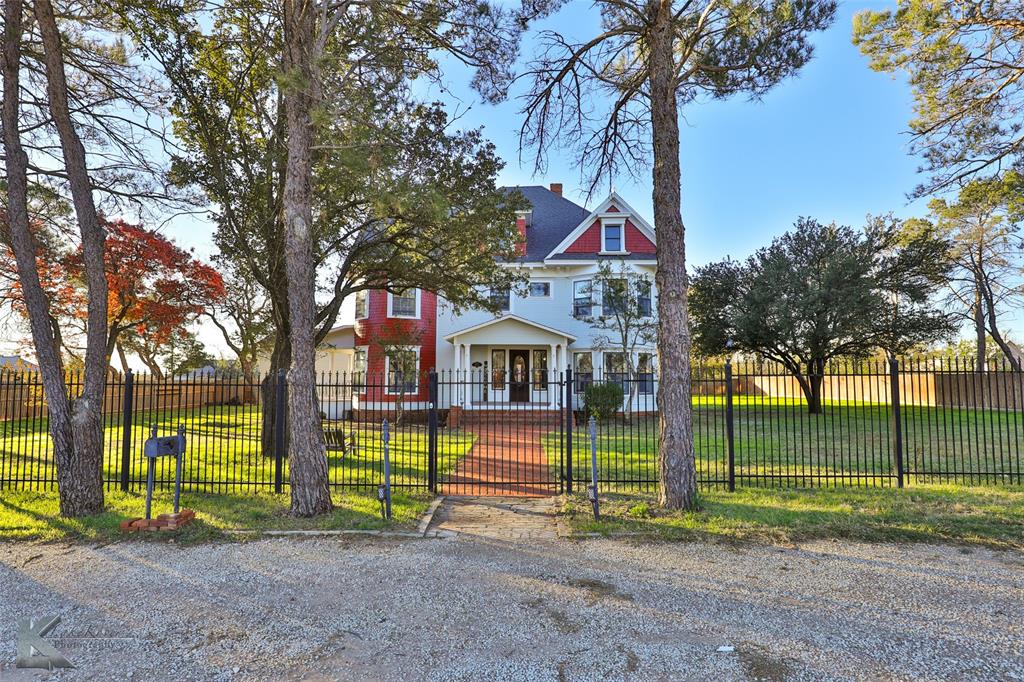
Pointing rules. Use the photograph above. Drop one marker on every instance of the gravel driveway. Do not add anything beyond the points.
(470, 608)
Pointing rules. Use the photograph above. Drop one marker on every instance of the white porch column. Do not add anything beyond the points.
(552, 376)
(467, 394)
(457, 371)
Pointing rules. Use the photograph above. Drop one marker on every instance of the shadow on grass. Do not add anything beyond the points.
(35, 516)
(992, 517)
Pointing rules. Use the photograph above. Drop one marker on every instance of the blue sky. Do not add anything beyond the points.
(829, 143)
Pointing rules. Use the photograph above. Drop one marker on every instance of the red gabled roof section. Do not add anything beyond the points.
(637, 241)
(590, 240)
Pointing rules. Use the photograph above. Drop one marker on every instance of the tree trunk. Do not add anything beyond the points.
(280, 358)
(75, 424)
(676, 465)
(815, 378)
(997, 336)
(250, 380)
(122, 357)
(307, 453)
(979, 330)
(23, 245)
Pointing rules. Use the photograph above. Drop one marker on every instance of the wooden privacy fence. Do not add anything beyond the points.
(947, 384)
(22, 395)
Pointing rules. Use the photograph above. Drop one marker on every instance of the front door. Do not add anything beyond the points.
(519, 383)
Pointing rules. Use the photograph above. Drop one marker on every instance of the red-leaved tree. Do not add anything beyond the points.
(155, 289)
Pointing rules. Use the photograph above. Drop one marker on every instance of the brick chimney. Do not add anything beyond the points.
(521, 227)
(556, 188)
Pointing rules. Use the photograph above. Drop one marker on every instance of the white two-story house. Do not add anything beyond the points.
(509, 358)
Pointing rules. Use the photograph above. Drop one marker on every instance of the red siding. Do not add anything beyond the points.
(378, 324)
(589, 241)
(637, 241)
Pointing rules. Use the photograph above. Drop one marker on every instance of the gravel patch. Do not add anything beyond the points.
(472, 608)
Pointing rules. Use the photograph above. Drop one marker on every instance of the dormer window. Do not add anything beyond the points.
(613, 233)
(612, 238)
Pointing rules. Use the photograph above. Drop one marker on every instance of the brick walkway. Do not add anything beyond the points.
(507, 458)
(498, 518)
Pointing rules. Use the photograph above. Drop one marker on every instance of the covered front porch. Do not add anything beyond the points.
(509, 363)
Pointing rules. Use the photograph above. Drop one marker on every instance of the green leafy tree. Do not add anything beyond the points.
(984, 226)
(613, 101)
(627, 323)
(965, 62)
(820, 292)
(390, 195)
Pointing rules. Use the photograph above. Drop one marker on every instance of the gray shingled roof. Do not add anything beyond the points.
(554, 217)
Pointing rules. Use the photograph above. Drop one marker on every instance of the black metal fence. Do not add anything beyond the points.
(878, 424)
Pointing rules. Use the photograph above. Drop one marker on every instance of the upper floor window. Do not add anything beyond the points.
(611, 238)
(405, 303)
(643, 297)
(501, 298)
(615, 297)
(582, 298)
(540, 289)
(361, 308)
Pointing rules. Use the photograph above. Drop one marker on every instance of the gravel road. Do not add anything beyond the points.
(470, 608)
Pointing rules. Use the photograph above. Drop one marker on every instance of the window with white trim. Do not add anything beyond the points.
(643, 297)
(401, 367)
(645, 373)
(498, 369)
(361, 304)
(616, 370)
(540, 289)
(359, 362)
(501, 298)
(583, 370)
(615, 297)
(582, 298)
(405, 303)
(612, 240)
(540, 369)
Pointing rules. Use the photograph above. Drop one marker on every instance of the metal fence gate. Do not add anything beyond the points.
(517, 430)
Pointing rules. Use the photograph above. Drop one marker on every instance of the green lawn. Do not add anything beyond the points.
(223, 451)
(781, 445)
(991, 516)
(31, 515)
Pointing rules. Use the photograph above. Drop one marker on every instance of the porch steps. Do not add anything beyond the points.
(512, 417)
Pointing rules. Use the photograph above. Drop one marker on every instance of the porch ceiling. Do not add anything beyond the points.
(509, 329)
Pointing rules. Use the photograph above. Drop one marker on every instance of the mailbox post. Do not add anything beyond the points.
(164, 446)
